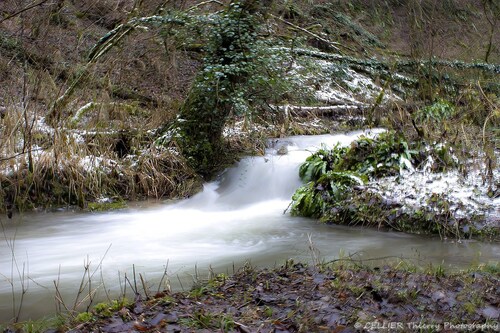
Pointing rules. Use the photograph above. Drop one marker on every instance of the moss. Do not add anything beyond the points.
(470, 308)
(105, 310)
(84, 317)
(104, 206)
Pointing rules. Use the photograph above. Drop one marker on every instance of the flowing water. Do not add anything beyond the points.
(236, 219)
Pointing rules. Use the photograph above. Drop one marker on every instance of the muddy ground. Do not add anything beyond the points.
(339, 297)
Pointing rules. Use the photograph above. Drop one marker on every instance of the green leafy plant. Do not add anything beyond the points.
(338, 183)
(320, 162)
(384, 155)
(314, 198)
(437, 112)
(331, 173)
(368, 157)
(334, 191)
(307, 201)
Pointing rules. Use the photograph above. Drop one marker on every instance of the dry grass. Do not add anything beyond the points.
(105, 152)
(68, 174)
(103, 157)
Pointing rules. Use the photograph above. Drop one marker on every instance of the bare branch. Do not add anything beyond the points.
(24, 10)
(334, 45)
(204, 3)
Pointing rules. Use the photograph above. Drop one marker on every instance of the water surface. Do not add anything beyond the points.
(236, 219)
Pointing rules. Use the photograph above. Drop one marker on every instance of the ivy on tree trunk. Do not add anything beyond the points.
(227, 67)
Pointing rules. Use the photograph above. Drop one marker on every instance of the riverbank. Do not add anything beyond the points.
(341, 296)
(389, 182)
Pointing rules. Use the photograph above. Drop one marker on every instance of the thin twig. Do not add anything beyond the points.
(204, 3)
(23, 275)
(86, 265)
(144, 286)
(135, 280)
(334, 45)
(164, 275)
(490, 115)
(180, 282)
(21, 153)
(23, 10)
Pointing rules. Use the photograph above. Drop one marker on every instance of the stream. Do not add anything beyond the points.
(237, 219)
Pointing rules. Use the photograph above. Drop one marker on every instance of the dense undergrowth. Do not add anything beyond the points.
(342, 184)
(341, 187)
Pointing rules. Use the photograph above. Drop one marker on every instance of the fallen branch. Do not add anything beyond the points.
(334, 45)
(397, 64)
(331, 110)
(114, 36)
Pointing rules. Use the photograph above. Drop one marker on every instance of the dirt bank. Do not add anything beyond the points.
(340, 297)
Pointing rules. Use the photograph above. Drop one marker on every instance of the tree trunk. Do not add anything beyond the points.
(228, 65)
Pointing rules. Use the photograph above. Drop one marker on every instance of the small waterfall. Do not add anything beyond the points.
(273, 176)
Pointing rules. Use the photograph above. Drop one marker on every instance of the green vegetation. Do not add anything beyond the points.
(439, 111)
(104, 310)
(331, 175)
(37, 326)
(241, 74)
(130, 100)
(336, 191)
(105, 206)
(212, 321)
(84, 317)
(214, 94)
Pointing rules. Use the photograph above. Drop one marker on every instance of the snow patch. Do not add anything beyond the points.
(468, 195)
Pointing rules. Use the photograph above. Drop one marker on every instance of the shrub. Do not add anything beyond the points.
(334, 191)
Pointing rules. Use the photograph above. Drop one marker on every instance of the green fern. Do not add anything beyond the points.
(307, 201)
(314, 198)
(321, 162)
